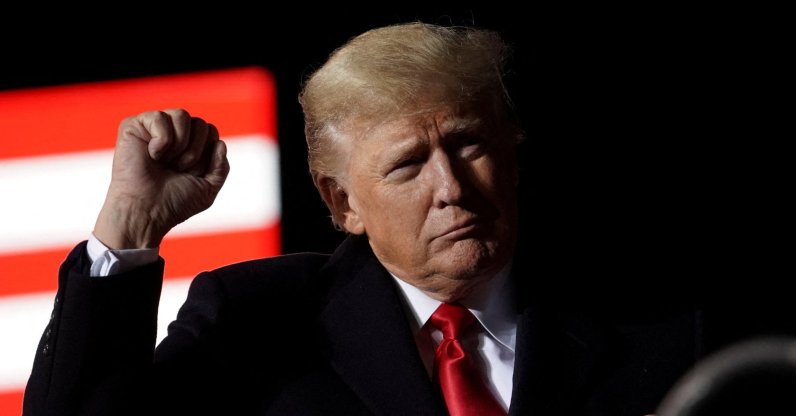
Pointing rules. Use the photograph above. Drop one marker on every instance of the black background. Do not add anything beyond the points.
(653, 166)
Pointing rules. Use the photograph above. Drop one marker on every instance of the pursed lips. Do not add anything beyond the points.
(461, 228)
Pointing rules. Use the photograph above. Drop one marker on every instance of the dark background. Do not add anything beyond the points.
(653, 167)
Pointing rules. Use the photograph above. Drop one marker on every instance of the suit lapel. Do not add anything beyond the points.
(558, 353)
(372, 348)
(370, 343)
(551, 366)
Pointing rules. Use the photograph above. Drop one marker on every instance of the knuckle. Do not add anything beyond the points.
(188, 158)
(198, 123)
(130, 127)
(151, 115)
(127, 123)
(161, 116)
(155, 120)
(177, 112)
(179, 116)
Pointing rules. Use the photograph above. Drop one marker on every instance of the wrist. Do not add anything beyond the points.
(122, 226)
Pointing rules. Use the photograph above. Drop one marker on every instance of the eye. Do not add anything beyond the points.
(405, 168)
(471, 147)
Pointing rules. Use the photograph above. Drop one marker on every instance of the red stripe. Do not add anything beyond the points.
(11, 403)
(185, 257)
(86, 116)
(190, 255)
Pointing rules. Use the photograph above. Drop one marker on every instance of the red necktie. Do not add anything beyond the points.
(464, 390)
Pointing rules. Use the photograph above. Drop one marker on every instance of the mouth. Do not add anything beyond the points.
(462, 229)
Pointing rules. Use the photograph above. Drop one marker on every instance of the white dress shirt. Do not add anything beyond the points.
(105, 262)
(494, 309)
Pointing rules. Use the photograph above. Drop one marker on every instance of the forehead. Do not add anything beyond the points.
(442, 120)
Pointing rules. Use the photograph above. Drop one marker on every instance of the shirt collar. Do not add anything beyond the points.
(493, 307)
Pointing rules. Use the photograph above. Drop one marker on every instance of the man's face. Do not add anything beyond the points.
(435, 195)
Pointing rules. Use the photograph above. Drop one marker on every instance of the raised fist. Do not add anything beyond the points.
(167, 167)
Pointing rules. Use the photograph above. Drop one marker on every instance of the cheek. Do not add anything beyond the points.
(498, 176)
(373, 205)
(488, 177)
(371, 202)
(396, 207)
(398, 210)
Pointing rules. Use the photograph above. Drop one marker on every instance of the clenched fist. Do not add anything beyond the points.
(167, 167)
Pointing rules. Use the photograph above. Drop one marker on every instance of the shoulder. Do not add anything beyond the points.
(274, 274)
(292, 264)
(299, 280)
(255, 289)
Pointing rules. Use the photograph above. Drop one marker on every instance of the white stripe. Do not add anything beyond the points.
(24, 317)
(171, 299)
(53, 201)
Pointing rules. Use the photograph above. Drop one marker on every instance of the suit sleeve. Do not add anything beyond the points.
(100, 329)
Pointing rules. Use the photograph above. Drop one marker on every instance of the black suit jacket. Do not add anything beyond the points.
(311, 334)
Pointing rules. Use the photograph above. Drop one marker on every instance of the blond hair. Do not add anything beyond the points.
(398, 70)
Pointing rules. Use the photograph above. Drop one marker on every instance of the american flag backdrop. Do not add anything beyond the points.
(56, 147)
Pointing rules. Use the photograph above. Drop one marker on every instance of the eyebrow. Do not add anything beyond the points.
(409, 145)
(400, 150)
(462, 124)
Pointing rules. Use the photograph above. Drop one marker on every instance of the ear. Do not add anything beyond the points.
(337, 200)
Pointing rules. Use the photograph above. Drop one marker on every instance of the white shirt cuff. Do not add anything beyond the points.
(105, 262)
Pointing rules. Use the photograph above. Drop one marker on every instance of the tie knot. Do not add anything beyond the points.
(452, 319)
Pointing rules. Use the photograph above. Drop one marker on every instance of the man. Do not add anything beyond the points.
(411, 141)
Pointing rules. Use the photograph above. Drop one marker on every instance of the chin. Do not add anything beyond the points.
(472, 259)
(462, 288)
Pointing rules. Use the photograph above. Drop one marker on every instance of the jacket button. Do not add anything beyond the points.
(47, 333)
(45, 349)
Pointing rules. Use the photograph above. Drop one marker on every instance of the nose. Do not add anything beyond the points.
(447, 180)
